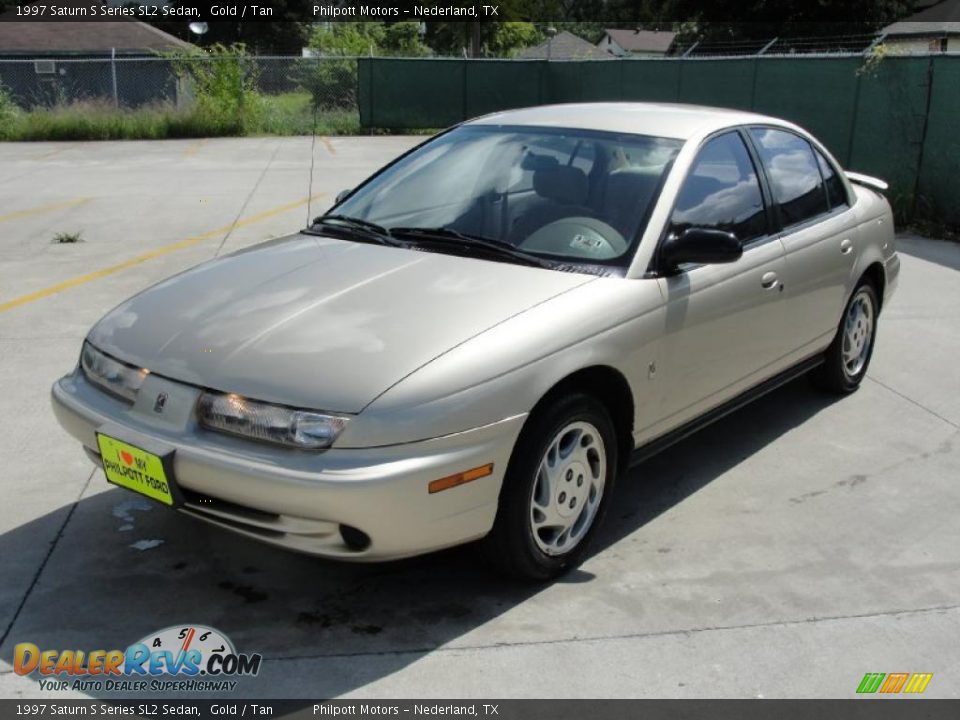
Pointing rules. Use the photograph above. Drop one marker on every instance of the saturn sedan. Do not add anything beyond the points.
(478, 341)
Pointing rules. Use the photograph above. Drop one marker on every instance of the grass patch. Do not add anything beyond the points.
(286, 114)
(292, 114)
(68, 238)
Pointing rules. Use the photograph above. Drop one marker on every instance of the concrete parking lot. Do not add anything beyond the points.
(784, 552)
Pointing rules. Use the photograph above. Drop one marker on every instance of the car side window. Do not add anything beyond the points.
(795, 181)
(836, 192)
(722, 191)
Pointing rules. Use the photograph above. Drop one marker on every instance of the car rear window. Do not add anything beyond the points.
(798, 188)
(836, 192)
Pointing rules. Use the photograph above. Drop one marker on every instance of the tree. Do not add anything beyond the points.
(483, 39)
(347, 39)
(355, 39)
(508, 38)
(746, 19)
(402, 39)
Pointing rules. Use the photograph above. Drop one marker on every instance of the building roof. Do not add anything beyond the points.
(25, 37)
(640, 41)
(940, 18)
(665, 120)
(565, 46)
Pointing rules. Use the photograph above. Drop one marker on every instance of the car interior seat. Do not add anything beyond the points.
(562, 191)
(627, 195)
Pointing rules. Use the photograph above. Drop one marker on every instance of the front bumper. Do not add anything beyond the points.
(299, 499)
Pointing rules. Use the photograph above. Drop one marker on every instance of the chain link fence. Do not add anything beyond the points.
(276, 94)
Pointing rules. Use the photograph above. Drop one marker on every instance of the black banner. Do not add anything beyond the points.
(267, 11)
(872, 709)
(398, 10)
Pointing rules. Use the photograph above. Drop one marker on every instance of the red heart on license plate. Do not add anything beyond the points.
(126, 457)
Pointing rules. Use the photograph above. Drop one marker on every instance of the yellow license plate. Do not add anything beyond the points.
(135, 469)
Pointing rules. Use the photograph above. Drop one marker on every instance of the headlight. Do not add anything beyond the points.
(113, 376)
(271, 423)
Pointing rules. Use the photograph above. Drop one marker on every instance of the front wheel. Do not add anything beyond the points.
(555, 491)
(847, 358)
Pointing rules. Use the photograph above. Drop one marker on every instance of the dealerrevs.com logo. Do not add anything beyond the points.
(178, 658)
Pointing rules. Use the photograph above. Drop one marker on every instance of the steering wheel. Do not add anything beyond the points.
(584, 238)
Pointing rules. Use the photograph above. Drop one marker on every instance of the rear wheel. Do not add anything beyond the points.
(848, 357)
(556, 488)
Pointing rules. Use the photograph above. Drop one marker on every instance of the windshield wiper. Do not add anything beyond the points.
(358, 228)
(440, 236)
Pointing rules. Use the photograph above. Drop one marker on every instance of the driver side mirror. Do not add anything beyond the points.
(705, 246)
(342, 195)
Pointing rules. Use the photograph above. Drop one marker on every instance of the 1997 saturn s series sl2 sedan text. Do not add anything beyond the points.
(477, 341)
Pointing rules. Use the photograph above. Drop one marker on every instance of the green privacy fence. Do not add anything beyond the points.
(897, 119)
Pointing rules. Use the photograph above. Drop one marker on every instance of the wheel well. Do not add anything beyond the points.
(878, 278)
(611, 388)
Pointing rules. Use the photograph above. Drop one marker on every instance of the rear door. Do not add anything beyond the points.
(724, 323)
(818, 232)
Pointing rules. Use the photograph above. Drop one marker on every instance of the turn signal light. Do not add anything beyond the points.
(460, 478)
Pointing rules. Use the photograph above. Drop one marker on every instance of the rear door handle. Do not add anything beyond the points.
(769, 280)
(846, 246)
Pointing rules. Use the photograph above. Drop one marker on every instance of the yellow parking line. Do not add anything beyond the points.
(328, 145)
(45, 208)
(165, 250)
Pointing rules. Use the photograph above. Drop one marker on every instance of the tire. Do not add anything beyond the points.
(848, 357)
(574, 435)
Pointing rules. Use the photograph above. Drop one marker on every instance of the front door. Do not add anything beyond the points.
(724, 328)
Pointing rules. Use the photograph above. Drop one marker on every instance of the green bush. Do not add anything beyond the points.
(331, 82)
(332, 77)
(224, 84)
(9, 113)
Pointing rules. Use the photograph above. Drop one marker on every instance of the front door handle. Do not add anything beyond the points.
(846, 246)
(769, 281)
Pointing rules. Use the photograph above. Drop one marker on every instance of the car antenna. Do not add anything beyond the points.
(313, 144)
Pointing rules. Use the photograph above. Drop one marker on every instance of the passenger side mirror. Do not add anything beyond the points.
(704, 246)
(342, 195)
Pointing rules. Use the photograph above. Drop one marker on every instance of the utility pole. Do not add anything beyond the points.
(475, 46)
(551, 34)
(113, 76)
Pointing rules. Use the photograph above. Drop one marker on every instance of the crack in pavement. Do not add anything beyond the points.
(627, 636)
(253, 190)
(46, 559)
(914, 402)
(600, 638)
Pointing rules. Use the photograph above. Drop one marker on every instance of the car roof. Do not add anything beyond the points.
(670, 120)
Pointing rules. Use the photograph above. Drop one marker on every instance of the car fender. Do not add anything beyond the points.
(504, 372)
(876, 242)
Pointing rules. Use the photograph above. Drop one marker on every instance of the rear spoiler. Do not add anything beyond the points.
(867, 181)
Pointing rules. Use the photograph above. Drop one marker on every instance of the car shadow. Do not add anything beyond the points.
(124, 568)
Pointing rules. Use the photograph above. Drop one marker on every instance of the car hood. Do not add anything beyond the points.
(316, 322)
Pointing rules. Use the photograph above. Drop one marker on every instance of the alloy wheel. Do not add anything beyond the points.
(858, 333)
(568, 488)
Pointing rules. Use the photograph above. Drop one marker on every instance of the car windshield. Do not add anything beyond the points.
(572, 196)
